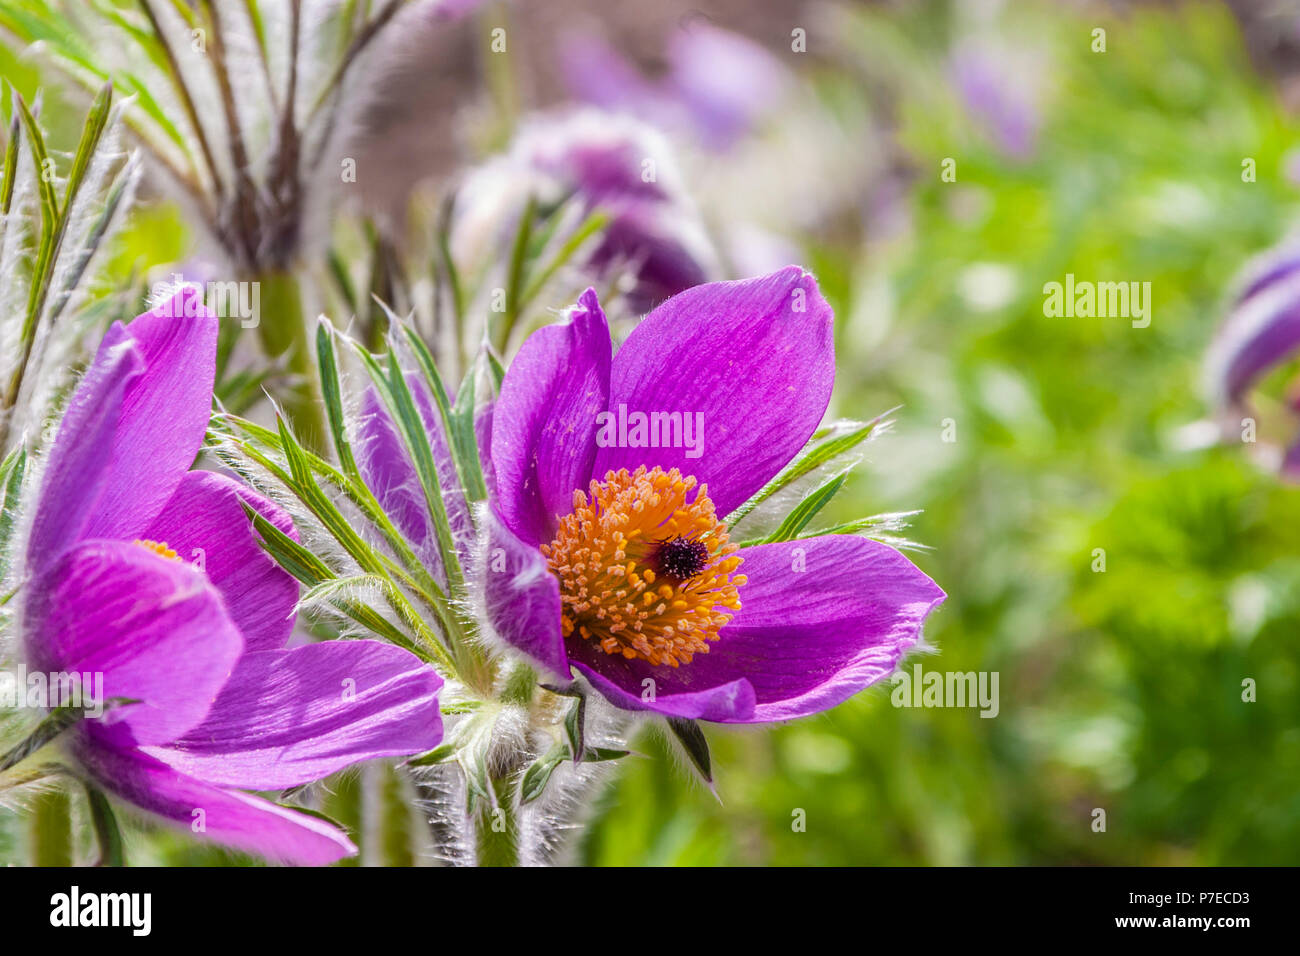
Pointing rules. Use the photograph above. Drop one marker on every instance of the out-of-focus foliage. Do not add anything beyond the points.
(1121, 689)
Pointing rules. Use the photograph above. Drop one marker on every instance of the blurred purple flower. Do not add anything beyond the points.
(719, 84)
(1260, 334)
(615, 164)
(610, 556)
(998, 97)
(220, 703)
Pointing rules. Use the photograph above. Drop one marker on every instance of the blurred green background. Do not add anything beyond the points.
(1119, 690)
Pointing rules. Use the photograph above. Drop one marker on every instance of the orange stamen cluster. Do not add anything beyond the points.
(614, 587)
(157, 547)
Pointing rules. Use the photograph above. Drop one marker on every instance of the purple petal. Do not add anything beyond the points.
(163, 417)
(228, 817)
(483, 438)
(1262, 331)
(814, 628)
(79, 462)
(595, 72)
(1290, 467)
(287, 717)
(998, 98)
(754, 358)
(820, 619)
(636, 685)
(204, 524)
(154, 627)
(726, 81)
(544, 425)
(655, 239)
(448, 10)
(1269, 270)
(522, 598)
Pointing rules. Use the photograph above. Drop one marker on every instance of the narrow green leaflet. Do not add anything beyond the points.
(695, 744)
(804, 511)
(535, 778)
(812, 458)
(11, 483)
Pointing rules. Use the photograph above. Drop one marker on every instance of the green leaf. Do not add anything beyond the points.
(316, 814)
(440, 754)
(457, 424)
(309, 492)
(55, 723)
(575, 728)
(600, 754)
(396, 396)
(451, 744)
(415, 577)
(498, 370)
(813, 458)
(446, 266)
(112, 202)
(288, 553)
(806, 510)
(54, 219)
(331, 392)
(592, 224)
(11, 483)
(9, 181)
(311, 570)
(515, 274)
(695, 744)
(477, 782)
(539, 773)
(108, 836)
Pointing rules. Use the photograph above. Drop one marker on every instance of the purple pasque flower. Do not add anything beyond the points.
(995, 90)
(719, 84)
(149, 574)
(1261, 335)
(610, 554)
(613, 163)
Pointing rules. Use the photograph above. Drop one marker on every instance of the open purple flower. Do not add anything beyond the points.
(1260, 336)
(613, 475)
(149, 574)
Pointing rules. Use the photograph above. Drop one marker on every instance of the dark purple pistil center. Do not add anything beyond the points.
(682, 558)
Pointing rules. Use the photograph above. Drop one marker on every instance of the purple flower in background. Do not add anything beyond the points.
(1260, 335)
(1000, 96)
(615, 556)
(149, 574)
(719, 84)
(612, 163)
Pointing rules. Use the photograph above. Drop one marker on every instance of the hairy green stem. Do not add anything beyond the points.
(283, 329)
(51, 829)
(342, 804)
(497, 828)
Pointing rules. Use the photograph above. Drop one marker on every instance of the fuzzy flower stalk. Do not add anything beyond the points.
(249, 115)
